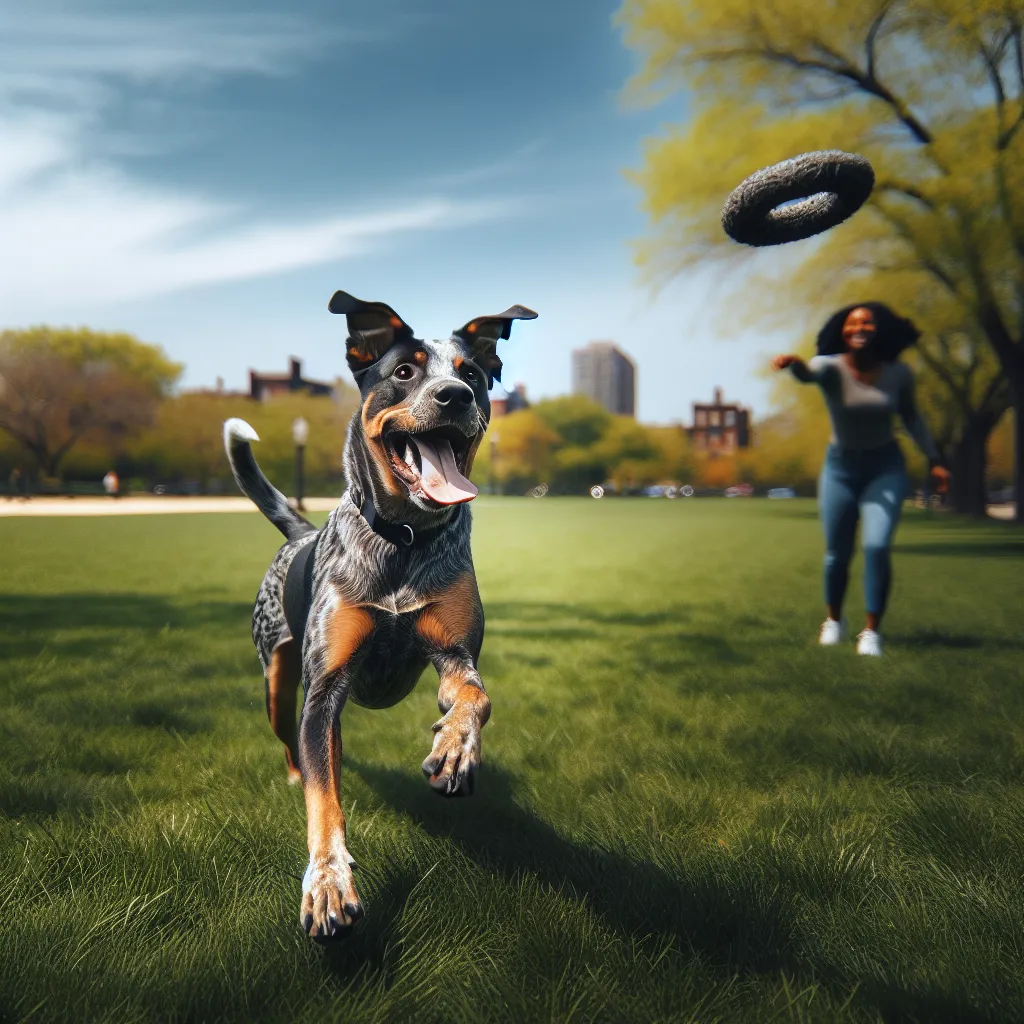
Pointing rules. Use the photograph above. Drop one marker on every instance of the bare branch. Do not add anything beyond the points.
(941, 369)
(1007, 134)
(924, 260)
(905, 189)
(869, 42)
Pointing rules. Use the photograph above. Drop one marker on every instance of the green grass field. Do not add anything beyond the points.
(687, 811)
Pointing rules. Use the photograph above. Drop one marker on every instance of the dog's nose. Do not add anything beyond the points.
(455, 395)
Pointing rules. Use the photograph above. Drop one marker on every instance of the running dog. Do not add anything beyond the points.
(357, 609)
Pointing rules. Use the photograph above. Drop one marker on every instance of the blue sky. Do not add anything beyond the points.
(205, 175)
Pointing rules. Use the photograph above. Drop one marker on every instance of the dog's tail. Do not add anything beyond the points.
(255, 486)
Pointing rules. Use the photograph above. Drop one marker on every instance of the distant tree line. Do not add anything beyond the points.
(75, 403)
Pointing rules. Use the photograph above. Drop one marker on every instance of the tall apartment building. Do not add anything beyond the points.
(607, 375)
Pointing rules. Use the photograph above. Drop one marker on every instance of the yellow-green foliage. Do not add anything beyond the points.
(912, 85)
(187, 440)
(142, 362)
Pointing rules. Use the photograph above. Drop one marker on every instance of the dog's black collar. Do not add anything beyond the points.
(402, 535)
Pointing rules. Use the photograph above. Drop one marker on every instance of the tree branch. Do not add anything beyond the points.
(869, 42)
(903, 188)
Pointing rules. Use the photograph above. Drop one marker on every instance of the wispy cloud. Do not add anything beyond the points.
(84, 228)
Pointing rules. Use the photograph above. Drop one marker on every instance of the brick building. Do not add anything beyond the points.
(720, 426)
(263, 386)
(505, 402)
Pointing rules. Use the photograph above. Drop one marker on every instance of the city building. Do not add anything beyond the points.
(503, 402)
(607, 375)
(720, 427)
(268, 385)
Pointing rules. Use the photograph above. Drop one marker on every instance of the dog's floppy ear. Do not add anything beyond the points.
(373, 328)
(483, 333)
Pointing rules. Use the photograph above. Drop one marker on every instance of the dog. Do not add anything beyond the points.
(357, 609)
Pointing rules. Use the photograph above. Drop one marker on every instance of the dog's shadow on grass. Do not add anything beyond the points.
(634, 897)
(729, 913)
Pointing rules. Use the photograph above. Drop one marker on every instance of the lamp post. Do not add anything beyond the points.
(495, 438)
(300, 435)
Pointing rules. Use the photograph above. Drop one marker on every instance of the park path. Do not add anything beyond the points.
(143, 505)
(149, 505)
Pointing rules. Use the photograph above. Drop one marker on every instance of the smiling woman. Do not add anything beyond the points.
(864, 477)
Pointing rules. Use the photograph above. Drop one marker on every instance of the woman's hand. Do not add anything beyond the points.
(783, 362)
(941, 476)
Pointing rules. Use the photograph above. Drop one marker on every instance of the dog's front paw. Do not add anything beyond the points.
(330, 903)
(455, 757)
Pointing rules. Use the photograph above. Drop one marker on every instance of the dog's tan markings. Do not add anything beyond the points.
(363, 357)
(330, 903)
(452, 617)
(458, 361)
(373, 427)
(284, 673)
(451, 627)
(419, 357)
(347, 628)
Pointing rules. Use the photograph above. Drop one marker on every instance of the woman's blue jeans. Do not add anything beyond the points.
(868, 486)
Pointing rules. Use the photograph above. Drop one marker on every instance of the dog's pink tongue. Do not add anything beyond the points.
(442, 482)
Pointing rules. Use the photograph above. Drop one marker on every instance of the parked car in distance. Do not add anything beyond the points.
(739, 491)
(781, 492)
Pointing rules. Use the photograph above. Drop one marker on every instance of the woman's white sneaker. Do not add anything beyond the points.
(832, 632)
(869, 642)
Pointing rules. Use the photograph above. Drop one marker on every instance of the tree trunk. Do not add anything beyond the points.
(968, 492)
(1018, 446)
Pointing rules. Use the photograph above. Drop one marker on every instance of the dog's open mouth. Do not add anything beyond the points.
(433, 464)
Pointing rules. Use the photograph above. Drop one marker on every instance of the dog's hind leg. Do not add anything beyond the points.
(283, 675)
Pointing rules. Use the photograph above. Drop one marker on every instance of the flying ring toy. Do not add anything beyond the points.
(830, 185)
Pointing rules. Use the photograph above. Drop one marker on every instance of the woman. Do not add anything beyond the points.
(864, 477)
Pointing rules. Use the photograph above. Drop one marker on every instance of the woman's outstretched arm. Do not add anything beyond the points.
(815, 372)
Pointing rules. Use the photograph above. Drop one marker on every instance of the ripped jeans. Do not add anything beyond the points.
(868, 485)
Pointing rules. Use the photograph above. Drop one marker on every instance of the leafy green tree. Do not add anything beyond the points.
(185, 441)
(62, 386)
(519, 452)
(932, 91)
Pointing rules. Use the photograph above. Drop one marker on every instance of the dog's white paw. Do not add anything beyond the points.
(455, 756)
(330, 903)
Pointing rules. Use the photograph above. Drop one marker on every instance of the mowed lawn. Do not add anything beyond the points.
(687, 811)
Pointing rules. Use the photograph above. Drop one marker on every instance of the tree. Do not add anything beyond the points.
(186, 441)
(61, 386)
(932, 91)
(523, 454)
(580, 424)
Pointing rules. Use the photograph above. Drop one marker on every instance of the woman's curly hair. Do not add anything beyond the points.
(893, 333)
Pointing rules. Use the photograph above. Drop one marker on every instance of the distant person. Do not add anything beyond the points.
(111, 484)
(864, 476)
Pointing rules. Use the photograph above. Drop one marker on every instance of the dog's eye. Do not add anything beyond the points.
(470, 376)
(405, 372)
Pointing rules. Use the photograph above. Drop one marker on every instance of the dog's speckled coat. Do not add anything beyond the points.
(380, 611)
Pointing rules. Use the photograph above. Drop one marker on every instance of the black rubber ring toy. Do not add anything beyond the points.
(832, 184)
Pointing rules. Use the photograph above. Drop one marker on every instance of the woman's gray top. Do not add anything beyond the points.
(862, 413)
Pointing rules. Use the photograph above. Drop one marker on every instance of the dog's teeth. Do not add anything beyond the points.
(408, 455)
